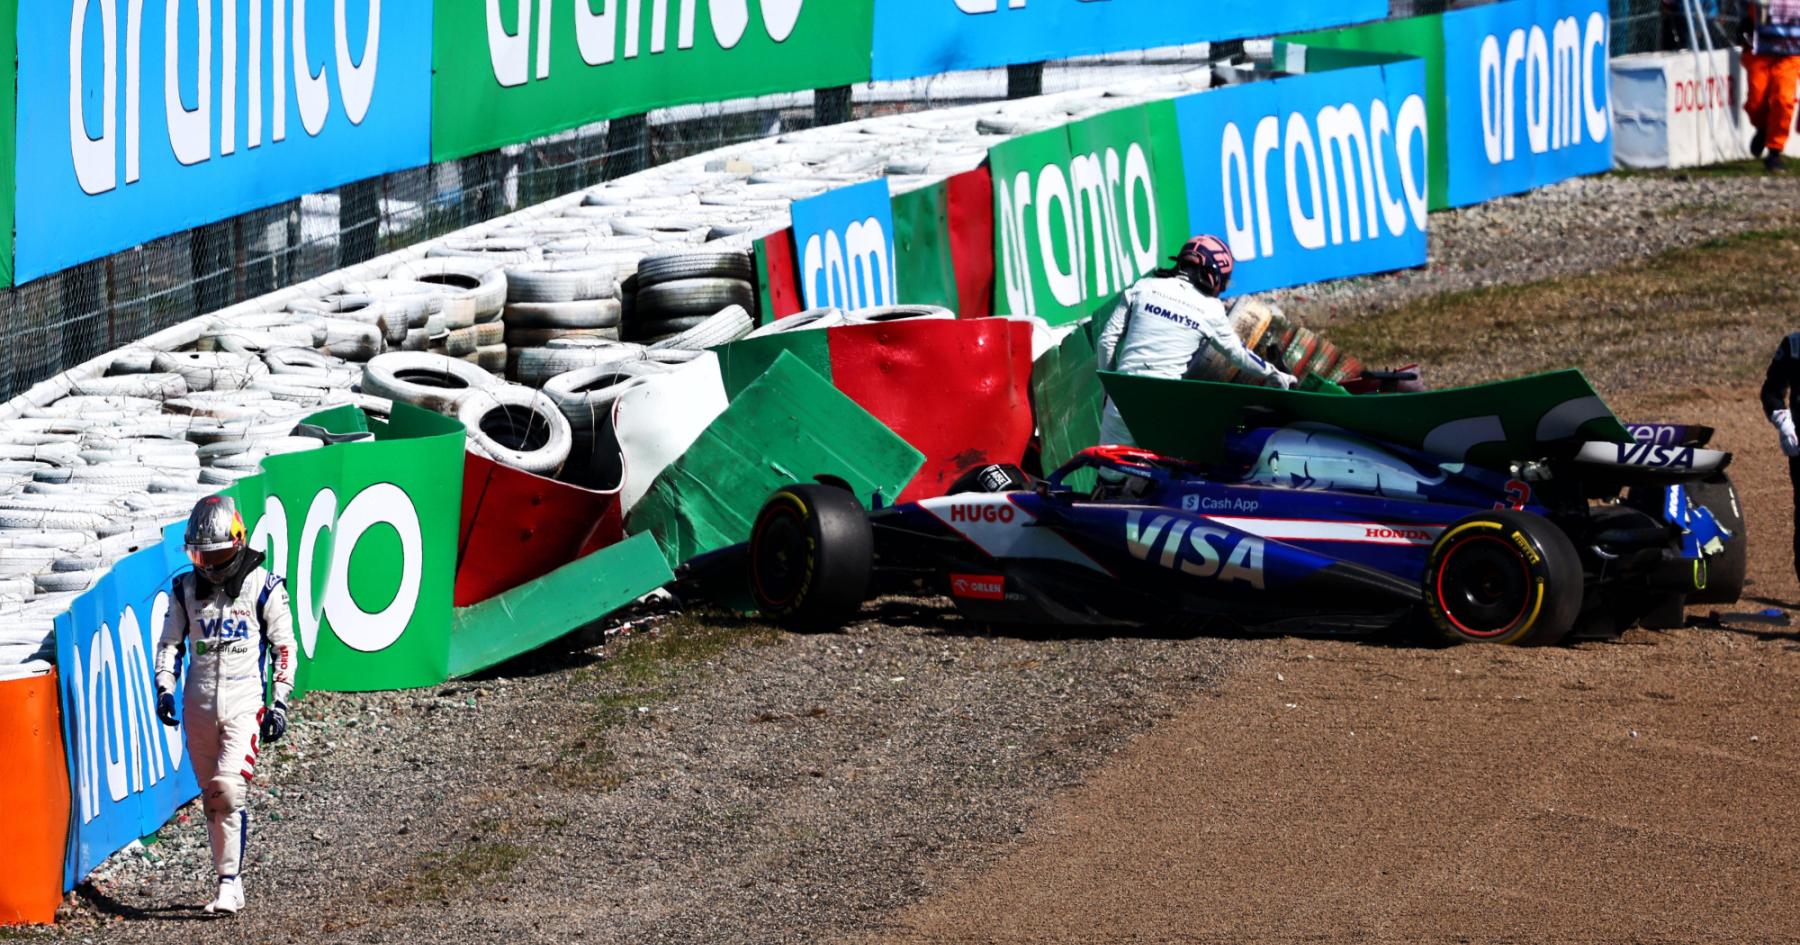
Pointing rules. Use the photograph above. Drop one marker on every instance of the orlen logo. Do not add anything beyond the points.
(1397, 534)
(1555, 77)
(1002, 514)
(978, 586)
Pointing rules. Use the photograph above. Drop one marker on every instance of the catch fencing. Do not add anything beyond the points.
(77, 312)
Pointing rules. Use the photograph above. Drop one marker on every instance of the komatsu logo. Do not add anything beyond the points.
(1198, 550)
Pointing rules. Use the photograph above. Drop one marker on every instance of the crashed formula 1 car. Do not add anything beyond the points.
(1287, 527)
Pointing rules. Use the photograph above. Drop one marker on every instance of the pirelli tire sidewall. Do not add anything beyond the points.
(1534, 605)
(811, 557)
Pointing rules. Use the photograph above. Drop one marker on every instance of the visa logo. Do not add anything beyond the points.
(1180, 544)
(224, 628)
(1655, 455)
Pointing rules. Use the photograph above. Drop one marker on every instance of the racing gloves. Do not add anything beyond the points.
(1784, 424)
(165, 708)
(1283, 380)
(274, 723)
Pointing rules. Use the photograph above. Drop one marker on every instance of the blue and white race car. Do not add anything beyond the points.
(1301, 528)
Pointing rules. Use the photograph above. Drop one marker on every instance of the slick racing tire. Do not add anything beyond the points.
(812, 553)
(1503, 577)
(1721, 580)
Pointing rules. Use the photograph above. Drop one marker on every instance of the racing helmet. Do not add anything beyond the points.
(216, 537)
(1207, 262)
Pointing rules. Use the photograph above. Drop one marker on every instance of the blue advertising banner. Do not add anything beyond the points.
(127, 771)
(924, 37)
(1527, 100)
(1312, 177)
(142, 119)
(844, 244)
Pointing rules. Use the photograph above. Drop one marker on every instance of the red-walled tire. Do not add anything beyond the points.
(1503, 577)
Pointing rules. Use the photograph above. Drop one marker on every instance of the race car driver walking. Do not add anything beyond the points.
(1168, 318)
(232, 614)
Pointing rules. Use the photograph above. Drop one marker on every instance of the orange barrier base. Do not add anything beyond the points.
(34, 801)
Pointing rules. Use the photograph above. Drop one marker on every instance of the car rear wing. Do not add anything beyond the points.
(1649, 462)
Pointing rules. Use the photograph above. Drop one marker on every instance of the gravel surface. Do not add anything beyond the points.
(725, 783)
(720, 782)
(1578, 226)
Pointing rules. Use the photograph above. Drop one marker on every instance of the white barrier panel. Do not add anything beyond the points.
(1679, 109)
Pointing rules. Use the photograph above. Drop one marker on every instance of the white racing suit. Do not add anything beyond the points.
(1158, 327)
(231, 640)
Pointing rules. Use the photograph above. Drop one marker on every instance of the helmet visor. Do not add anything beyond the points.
(212, 559)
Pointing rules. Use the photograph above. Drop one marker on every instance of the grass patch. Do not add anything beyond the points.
(437, 877)
(1693, 317)
(638, 673)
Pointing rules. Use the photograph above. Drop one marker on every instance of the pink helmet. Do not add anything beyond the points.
(1211, 263)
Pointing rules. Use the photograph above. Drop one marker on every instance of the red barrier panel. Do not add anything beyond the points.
(34, 801)
(972, 241)
(781, 275)
(517, 527)
(958, 391)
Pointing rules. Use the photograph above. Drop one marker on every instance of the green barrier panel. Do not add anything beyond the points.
(1419, 37)
(1067, 399)
(572, 596)
(365, 534)
(741, 363)
(926, 270)
(1083, 211)
(1488, 425)
(510, 72)
(788, 426)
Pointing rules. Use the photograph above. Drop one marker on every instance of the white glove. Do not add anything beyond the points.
(1784, 424)
(1286, 381)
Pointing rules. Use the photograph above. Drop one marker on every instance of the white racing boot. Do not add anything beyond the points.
(231, 896)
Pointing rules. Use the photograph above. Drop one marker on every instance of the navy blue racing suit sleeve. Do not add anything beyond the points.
(1779, 384)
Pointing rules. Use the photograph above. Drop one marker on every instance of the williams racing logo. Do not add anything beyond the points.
(1198, 550)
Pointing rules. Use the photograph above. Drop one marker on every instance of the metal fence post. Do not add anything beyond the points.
(832, 106)
(627, 145)
(1025, 80)
(359, 221)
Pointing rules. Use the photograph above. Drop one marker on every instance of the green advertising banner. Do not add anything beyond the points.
(1067, 398)
(1419, 37)
(1083, 211)
(789, 425)
(365, 534)
(510, 70)
(925, 268)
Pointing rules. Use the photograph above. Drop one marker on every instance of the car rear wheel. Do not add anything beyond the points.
(811, 556)
(1503, 577)
(1721, 581)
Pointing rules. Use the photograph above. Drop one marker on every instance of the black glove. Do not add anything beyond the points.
(274, 723)
(165, 708)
